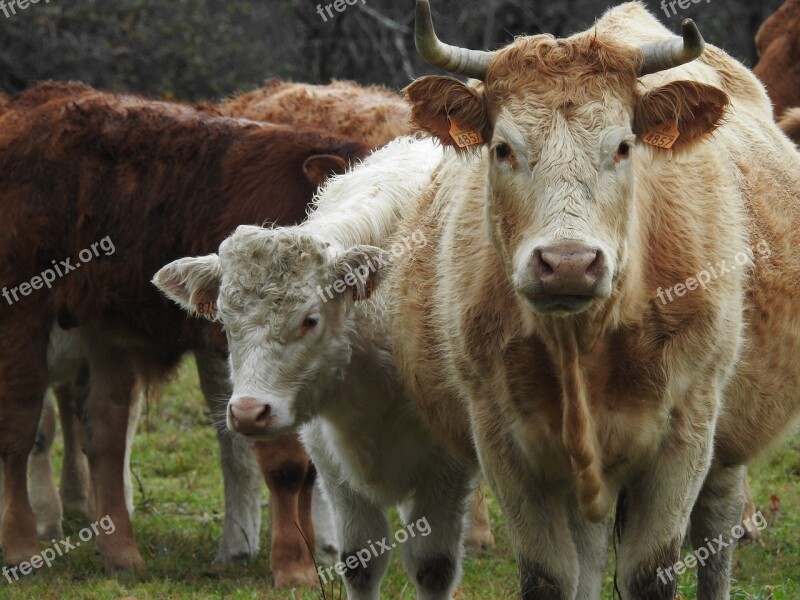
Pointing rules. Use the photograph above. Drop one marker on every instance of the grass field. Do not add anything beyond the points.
(178, 523)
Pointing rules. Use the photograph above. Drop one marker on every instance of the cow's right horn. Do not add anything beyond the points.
(461, 61)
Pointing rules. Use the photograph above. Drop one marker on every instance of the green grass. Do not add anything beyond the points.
(179, 521)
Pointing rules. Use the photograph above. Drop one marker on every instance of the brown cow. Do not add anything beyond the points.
(607, 288)
(98, 191)
(778, 68)
(373, 115)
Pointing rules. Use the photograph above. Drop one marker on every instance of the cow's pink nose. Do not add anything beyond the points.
(249, 416)
(568, 268)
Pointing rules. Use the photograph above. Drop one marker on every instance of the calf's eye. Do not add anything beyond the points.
(308, 324)
(624, 150)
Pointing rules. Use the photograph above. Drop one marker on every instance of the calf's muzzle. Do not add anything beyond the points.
(249, 416)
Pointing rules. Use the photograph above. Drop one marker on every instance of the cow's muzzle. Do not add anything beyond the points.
(566, 277)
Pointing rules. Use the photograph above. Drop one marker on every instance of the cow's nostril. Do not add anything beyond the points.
(540, 264)
(262, 418)
(595, 269)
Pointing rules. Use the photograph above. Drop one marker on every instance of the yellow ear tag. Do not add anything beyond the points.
(463, 137)
(663, 135)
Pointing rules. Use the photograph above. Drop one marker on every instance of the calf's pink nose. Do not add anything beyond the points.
(248, 416)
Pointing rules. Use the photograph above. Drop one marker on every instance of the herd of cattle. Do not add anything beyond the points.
(417, 311)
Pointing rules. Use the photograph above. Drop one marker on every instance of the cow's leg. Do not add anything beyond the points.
(45, 501)
(242, 479)
(749, 512)
(133, 421)
(75, 467)
(112, 385)
(23, 382)
(285, 466)
(537, 515)
(717, 511)
(432, 540)
(657, 505)
(327, 552)
(590, 543)
(479, 534)
(360, 526)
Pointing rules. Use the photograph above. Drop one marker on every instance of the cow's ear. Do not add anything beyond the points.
(321, 166)
(360, 268)
(193, 283)
(449, 110)
(695, 109)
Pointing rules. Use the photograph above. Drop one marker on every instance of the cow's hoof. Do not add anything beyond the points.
(129, 560)
(13, 558)
(295, 577)
(53, 531)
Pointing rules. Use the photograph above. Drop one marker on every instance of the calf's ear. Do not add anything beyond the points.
(361, 269)
(193, 283)
(696, 108)
(443, 107)
(319, 167)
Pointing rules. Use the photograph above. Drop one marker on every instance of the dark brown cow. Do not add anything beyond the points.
(778, 43)
(373, 115)
(98, 191)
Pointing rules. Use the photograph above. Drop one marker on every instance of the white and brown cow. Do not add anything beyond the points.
(309, 347)
(533, 317)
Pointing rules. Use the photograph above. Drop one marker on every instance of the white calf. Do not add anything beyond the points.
(309, 347)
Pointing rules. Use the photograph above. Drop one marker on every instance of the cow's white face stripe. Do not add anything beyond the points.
(566, 181)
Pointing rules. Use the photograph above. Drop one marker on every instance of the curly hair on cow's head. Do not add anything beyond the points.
(541, 62)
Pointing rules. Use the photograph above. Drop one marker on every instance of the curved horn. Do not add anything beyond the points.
(666, 54)
(461, 61)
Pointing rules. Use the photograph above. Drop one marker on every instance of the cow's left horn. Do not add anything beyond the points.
(461, 61)
(666, 54)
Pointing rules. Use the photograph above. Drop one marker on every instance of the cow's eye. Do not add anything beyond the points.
(308, 324)
(502, 151)
(624, 150)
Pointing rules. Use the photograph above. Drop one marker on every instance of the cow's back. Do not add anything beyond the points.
(373, 115)
(779, 64)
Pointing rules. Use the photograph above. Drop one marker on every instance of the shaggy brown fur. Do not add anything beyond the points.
(790, 124)
(161, 181)
(372, 115)
(778, 43)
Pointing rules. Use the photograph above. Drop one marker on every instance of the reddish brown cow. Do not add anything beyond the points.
(778, 43)
(373, 115)
(147, 182)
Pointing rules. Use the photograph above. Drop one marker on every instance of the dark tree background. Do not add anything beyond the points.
(205, 49)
